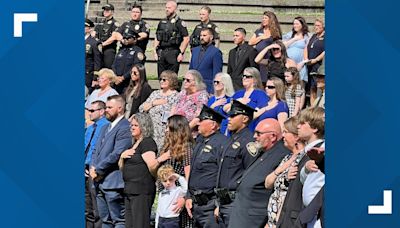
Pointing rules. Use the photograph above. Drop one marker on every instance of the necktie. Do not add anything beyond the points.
(238, 53)
(90, 140)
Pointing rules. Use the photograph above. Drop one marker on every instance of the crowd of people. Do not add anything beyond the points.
(242, 148)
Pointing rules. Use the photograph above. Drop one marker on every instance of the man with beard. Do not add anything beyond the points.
(239, 153)
(206, 58)
(204, 167)
(114, 138)
(171, 41)
(250, 206)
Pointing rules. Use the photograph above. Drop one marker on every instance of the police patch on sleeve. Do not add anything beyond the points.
(140, 56)
(183, 23)
(87, 47)
(252, 149)
(236, 145)
(100, 47)
(116, 24)
(216, 29)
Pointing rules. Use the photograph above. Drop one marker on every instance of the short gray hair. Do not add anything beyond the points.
(145, 123)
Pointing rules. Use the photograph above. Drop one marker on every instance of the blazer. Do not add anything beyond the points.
(251, 200)
(235, 70)
(106, 154)
(209, 66)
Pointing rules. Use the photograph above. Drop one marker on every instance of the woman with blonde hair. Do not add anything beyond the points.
(105, 78)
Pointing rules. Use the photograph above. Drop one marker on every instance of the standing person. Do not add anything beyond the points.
(223, 92)
(206, 58)
(268, 32)
(319, 78)
(250, 207)
(205, 22)
(93, 58)
(137, 91)
(114, 138)
(294, 92)
(139, 167)
(171, 41)
(240, 57)
(105, 78)
(166, 217)
(314, 54)
(203, 174)
(159, 105)
(177, 152)
(104, 31)
(236, 157)
(96, 115)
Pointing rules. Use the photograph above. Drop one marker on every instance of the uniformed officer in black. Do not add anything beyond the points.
(104, 31)
(133, 36)
(204, 168)
(172, 39)
(237, 155)
(204, 14)
(93, 55)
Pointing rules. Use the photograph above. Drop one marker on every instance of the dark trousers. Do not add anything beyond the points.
(225, 214)
(138, 210)
(92, 217)
(108, 57)
(168, 222)
(110, 203)
(167, 60)
(204, 215)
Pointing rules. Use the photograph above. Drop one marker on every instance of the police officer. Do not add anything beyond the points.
(93, 56)
(205, 22)
(104, 31)
(239, 153)
(133, 36)
(203, 174)
(172, 39)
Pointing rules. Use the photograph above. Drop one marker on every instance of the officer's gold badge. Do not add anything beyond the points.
(207, 148)
(209, 25)
(109, 22)
(137, 27)
(173, 20)
(236, 145)
(252, 149)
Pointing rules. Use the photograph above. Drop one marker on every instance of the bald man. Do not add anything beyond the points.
(250, 206)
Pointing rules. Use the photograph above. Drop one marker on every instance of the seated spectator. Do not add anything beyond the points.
(159, 104)
(276, 107)
(294, 92)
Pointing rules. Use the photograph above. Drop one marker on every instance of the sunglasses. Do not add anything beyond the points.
(188, 80)
(247, 76)
(216, 82)
(163, 79)
(276, 49)
(93, 110)
(270, 87)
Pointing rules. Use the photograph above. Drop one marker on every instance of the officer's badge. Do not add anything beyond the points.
(132, 52)
(137, 27)
(109, 22)
(236, 145)
(183, 24)
(209, 26)
(252, 149)
(207, 148)
(100, 47)
(87, 47)
(173, 20)
(140, 56)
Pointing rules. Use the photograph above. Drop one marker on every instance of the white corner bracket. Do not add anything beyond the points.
(386, 208)
(23, 17)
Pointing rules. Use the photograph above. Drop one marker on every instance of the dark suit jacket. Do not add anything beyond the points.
(293, 203)
(235, 70)
(250, 205)
(106, 154)
(209, 66)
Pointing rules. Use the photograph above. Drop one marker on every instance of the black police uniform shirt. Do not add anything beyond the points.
(105, 30)
(92, 54)
(133, 28)
(237, 155)
(195, 37)
(205, 163)
(170, 32)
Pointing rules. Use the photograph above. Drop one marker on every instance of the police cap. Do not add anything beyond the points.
(238, 108)
(208, 113)
(108, 7)
(89, 23)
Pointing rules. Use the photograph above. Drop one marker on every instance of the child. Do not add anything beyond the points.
(165, 217)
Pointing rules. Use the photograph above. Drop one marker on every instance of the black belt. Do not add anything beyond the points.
(202, 198)
(169, 48)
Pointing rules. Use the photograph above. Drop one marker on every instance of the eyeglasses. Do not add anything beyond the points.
(216, 82)
(188, 80)
(276, 49)
(163, 79)
(247, 76)
(270, 87)
(258, 133)
(93, 110)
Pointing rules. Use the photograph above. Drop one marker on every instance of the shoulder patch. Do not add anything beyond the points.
(116, 24)
(147, 25)
(100, 47)
(87, 47)
(236, 145)
(140, 56)
(183, 23)
(252, 149)
(216, 29)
